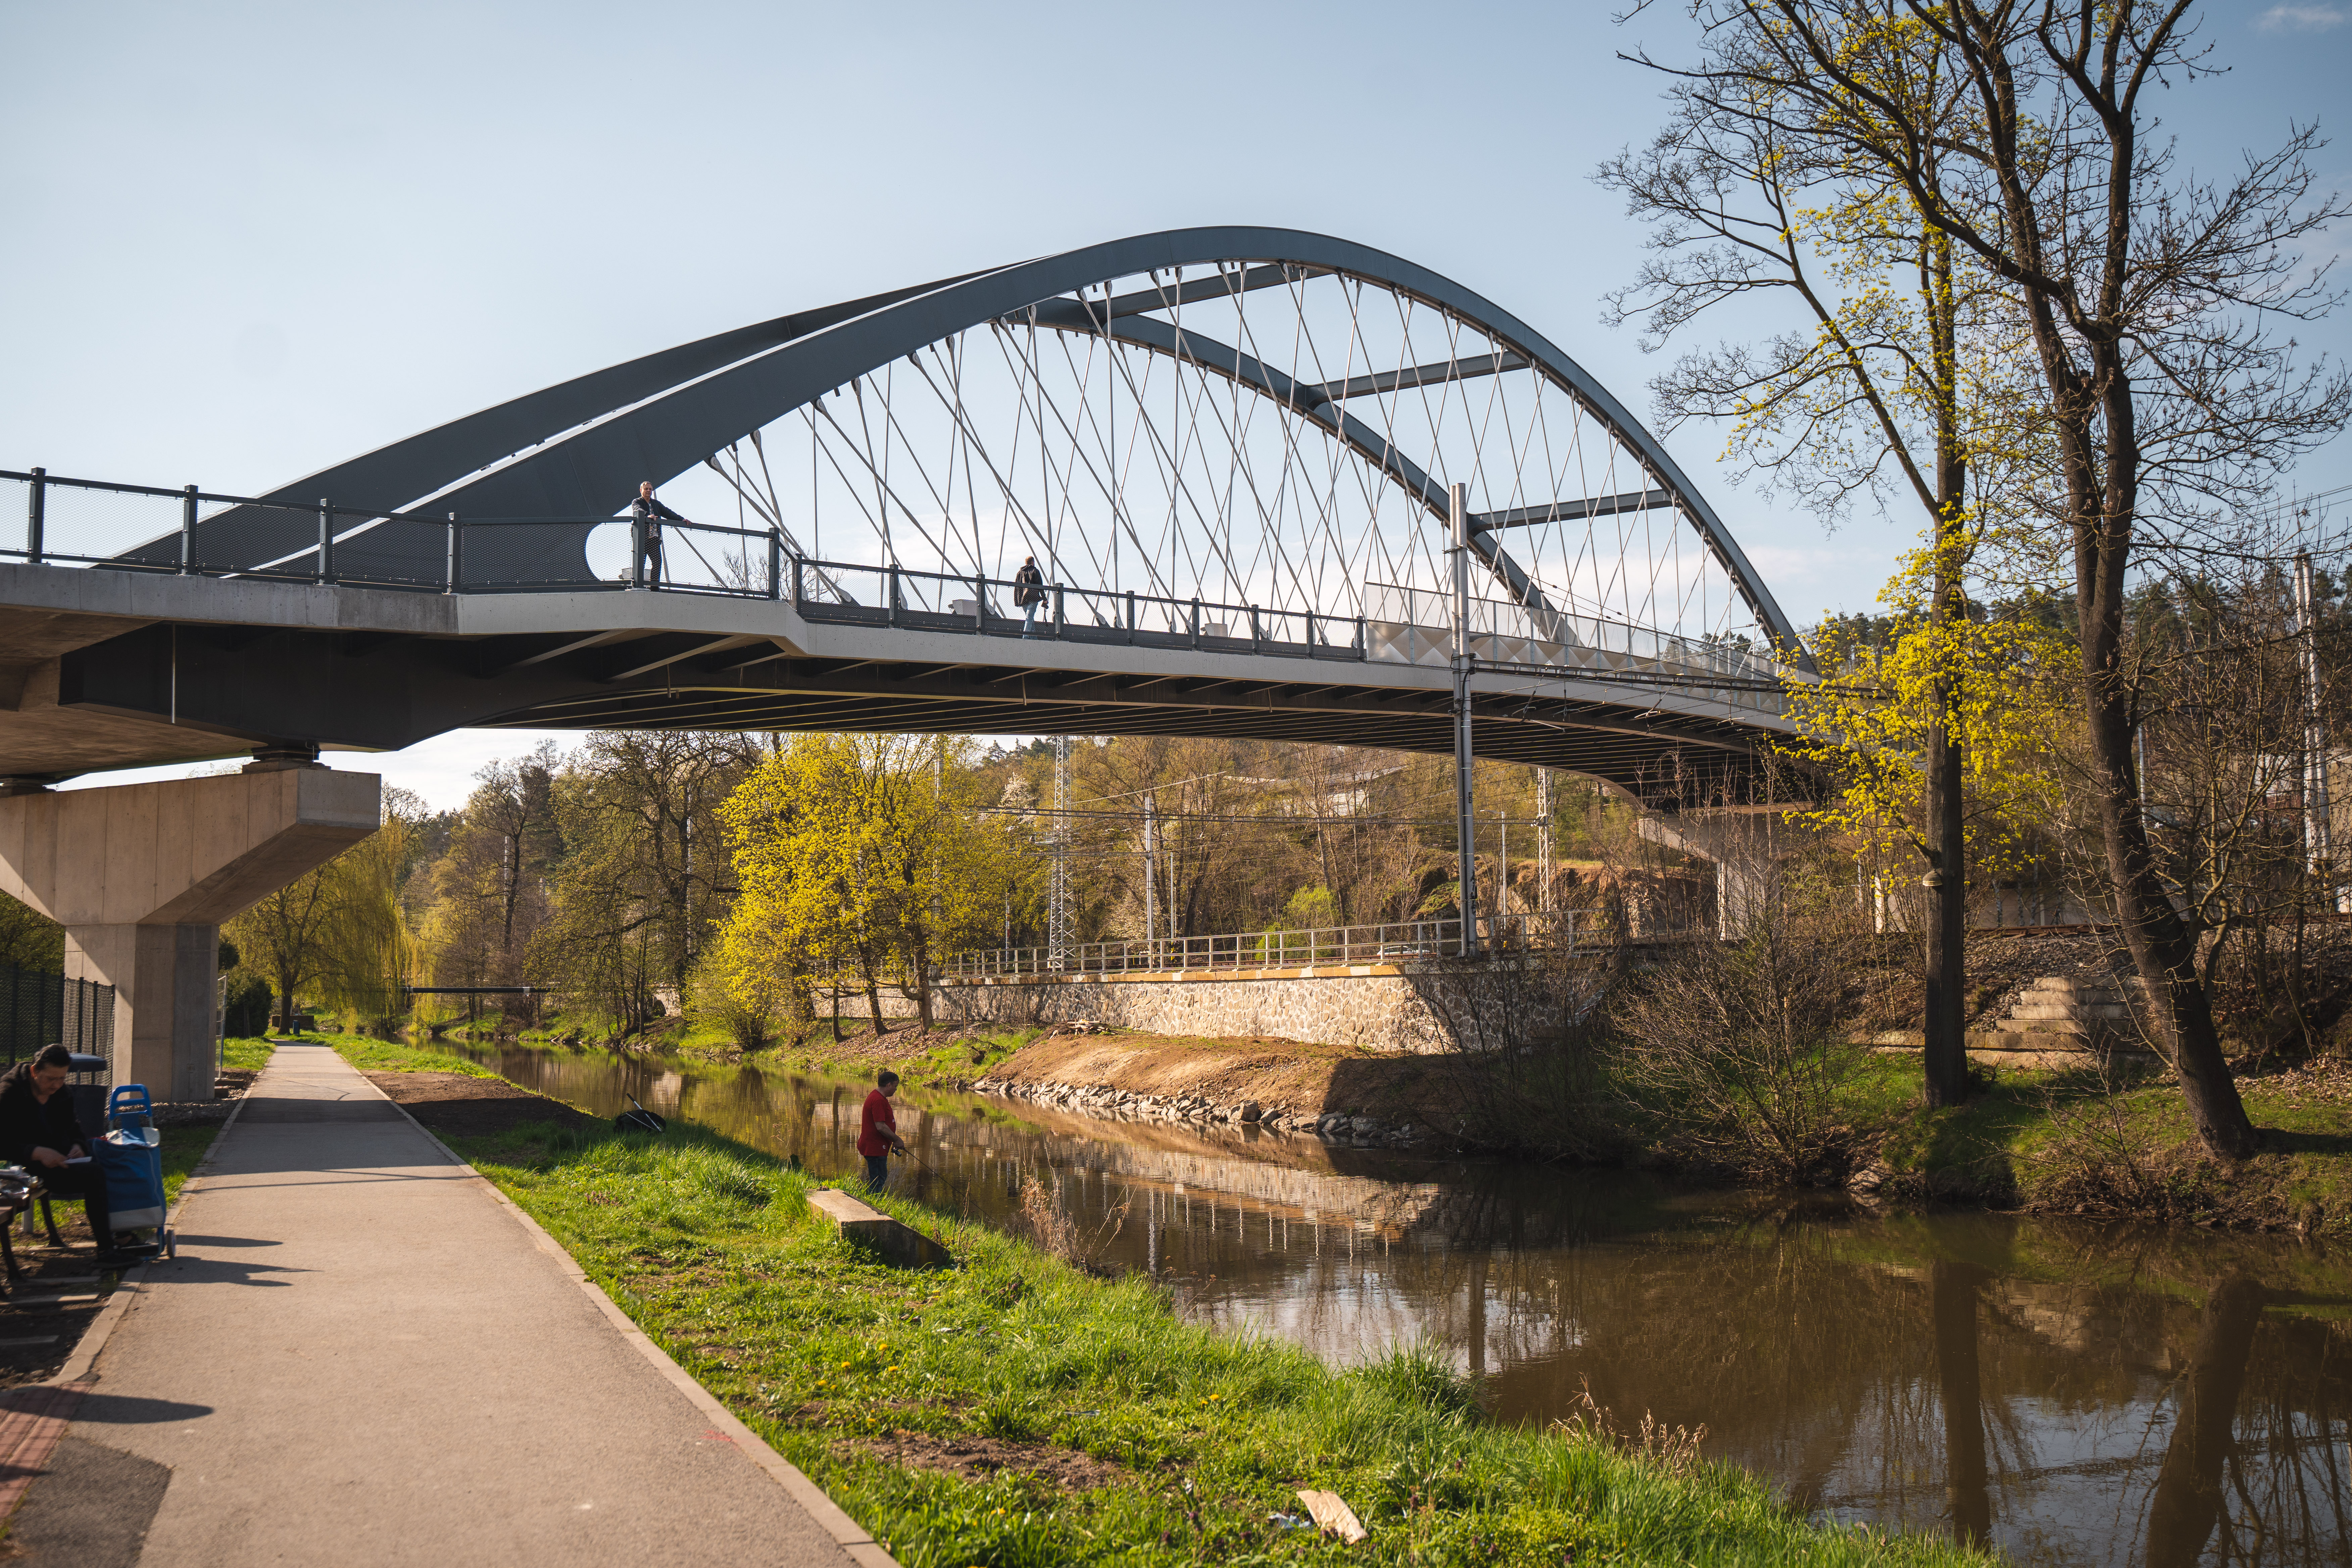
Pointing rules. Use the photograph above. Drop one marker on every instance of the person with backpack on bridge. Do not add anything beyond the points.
(1028, 592)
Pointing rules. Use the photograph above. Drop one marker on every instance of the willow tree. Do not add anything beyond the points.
(339, 934)
(2159, 306)
(1894, 379)
(865, 852)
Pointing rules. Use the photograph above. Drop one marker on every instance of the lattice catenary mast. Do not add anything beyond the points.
(1057, 897)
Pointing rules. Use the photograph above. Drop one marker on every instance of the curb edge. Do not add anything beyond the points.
(830, 1516)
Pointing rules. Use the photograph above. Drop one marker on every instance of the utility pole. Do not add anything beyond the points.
(1465, 825)
(1057, 899)
(1150, 881)
(2319, 828)
(1545, 865)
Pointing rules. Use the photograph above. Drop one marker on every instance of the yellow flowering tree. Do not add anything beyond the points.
(1996, 688)
(860, 853)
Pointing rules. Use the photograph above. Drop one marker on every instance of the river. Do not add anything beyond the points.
(2069, 1393)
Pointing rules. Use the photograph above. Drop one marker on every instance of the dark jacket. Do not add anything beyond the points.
(27, 1124)
(1028, 586)
(649, 510)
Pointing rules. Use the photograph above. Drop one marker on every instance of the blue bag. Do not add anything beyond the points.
(131, 1155)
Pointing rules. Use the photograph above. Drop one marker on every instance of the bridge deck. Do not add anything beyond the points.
(107, 669)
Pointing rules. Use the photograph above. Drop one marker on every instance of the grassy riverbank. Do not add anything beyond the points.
(2052, 1142)
(2077, 1144)
(1017, 1412)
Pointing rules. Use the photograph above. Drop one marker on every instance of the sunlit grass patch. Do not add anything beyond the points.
(370, 1055)
(1205, 1437)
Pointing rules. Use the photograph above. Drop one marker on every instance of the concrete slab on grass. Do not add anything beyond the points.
(897, 1242)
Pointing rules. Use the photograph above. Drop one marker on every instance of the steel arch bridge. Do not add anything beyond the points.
(1229, 451)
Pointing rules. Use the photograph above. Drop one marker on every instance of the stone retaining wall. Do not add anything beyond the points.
(1380, 1007)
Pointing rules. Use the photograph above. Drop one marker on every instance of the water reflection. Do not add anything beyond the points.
(2067, 1393)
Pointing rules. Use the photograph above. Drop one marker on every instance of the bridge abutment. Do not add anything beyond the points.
(141, 876)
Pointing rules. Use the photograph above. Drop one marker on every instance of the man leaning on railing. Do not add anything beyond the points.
(649, 515)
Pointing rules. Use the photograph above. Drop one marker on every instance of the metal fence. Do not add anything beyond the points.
(37, 1008)
(1400, 942)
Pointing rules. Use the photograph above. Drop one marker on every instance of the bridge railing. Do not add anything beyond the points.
(861, 594)
(1402, 941)
(192, 531)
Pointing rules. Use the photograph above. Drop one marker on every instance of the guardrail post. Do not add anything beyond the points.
(1196, 621)
(1061, 609)
(456, 563)
(776, 564)
(1256, 637)
(36, 514)
(187, 530)
(800, 584)
(326, 541)
(890, 597)
(1130, 618)
(1363, 643)
(979, 603)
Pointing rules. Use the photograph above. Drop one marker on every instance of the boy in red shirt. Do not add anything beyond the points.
(878, 1131)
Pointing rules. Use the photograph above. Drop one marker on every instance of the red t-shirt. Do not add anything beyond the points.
(876, 1115)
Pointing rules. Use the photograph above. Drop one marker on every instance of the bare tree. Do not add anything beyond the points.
(2157, 302)
(1899, 381)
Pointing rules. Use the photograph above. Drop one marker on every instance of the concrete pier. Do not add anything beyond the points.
(141, 876)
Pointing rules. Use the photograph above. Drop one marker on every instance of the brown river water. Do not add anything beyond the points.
(2067, 1393)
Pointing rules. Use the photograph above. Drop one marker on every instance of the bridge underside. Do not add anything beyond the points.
(89, 683)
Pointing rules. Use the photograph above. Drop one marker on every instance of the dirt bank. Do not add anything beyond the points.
(473, 1107)
(1286, 1085)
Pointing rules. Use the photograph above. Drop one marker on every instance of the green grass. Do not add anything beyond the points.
(710, 1247)
(2049, 1139)
(393, 1056)
(251, 1054)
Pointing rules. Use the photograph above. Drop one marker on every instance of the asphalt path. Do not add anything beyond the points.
(361, 1357)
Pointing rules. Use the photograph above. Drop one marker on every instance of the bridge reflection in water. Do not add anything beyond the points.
(2068, 1394)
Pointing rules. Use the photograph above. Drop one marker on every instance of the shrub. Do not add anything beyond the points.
(1742, 1045)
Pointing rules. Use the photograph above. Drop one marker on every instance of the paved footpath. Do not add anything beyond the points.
(361, 1356)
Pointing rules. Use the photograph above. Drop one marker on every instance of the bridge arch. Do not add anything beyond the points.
(578, 448)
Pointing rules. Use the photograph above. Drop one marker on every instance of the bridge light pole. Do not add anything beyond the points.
(1457, 506)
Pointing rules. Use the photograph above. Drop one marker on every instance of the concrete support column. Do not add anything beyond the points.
(162, 980)
(141, 876)
(1744, 844)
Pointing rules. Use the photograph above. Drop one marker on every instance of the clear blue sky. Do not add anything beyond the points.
(247, 240)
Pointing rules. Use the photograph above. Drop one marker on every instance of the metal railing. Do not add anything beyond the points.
(40, 1009)
(194, 533)
(1402, 942)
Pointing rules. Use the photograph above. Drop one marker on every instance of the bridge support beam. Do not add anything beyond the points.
(141, 876)
(1744, 844)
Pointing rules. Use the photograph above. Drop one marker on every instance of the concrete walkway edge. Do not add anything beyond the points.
(829, 1515)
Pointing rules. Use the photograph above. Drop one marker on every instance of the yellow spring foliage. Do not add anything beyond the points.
(1866, 723)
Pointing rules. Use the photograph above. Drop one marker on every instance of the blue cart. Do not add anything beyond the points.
(131, 1153)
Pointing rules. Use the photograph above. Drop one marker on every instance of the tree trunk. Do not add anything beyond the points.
(1947, 965)
(873, 993)
(1947, 926)
(2162, 946)
(922, 959)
